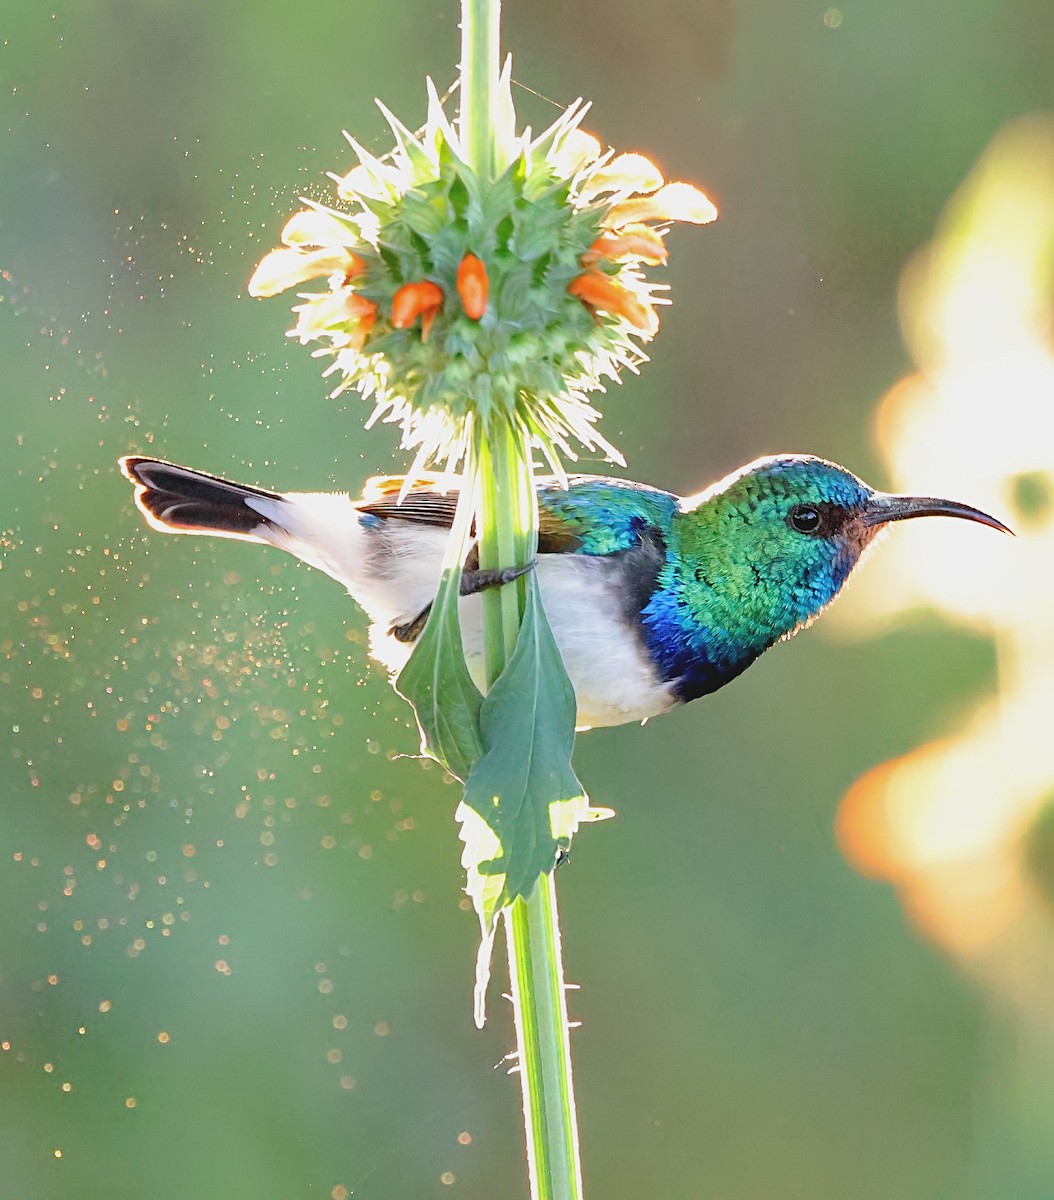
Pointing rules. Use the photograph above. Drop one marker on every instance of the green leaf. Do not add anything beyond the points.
(538, 229)
(524, 796)
(424, 212)
(437, 683)
(487, 211)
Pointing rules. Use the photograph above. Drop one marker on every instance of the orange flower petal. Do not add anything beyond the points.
(309, 227)
(358, 306)
(472, 286)
(423, 299)
(574, 151)
(427, 320)
(341, 314)
(626, 173)
(357, 336)
(283, 269)
(674, 202)
(632, 241)
(599, 291)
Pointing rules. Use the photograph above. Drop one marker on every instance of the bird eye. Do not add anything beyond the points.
(804, 518)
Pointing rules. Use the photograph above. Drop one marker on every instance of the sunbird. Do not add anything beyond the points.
(654, 599)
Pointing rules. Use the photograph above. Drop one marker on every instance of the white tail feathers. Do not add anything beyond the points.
(390, 568)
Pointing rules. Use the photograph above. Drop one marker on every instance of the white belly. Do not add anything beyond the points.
(614, 678)
(392, 571)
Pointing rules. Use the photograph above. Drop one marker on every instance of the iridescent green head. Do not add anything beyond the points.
(758, 555)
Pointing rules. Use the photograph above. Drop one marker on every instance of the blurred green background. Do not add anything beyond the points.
(235, 959)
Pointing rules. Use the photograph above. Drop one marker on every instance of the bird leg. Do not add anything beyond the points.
(478, 579)
(473, 580)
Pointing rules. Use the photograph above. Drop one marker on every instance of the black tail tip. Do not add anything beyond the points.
(130, 464)
(176, 499)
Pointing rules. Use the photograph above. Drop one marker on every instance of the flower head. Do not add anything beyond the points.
(446, 299)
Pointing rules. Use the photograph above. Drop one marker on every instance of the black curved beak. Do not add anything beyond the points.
(883, 508)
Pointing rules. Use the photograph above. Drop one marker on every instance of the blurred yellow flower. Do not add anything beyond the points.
(955, 824)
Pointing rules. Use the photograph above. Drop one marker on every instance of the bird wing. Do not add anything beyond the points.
(593, 514)
(429, 500)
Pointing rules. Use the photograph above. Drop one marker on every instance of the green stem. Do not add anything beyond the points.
(536, 972)
(480, 62)
(507, 536)
(508, 525)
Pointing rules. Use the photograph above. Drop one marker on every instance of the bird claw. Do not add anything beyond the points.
(479, 579)
(473, 581)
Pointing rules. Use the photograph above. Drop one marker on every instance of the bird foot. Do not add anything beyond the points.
(473, 580)
(479, 579)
